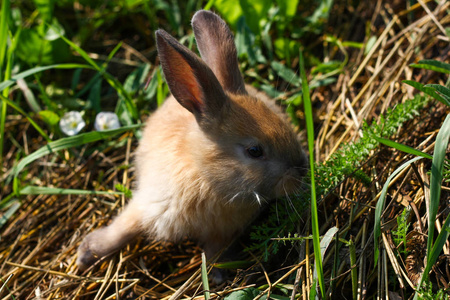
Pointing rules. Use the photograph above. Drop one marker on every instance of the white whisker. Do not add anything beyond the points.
(257, 198)
(234, 197)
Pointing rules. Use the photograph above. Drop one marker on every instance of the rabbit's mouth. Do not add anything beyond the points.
(290, 183)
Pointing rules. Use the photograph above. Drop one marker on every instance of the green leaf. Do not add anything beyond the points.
(205, 277)
(278, 297)
(286, 73)
(28, 95)
(255, 13)
(230, 10)
(444, 91)
(245, 294)
(123, 189)
(314, 217)
(242, 264)
(427, 90)
(162, 88)
(313, 291)
(433, 65)
(320, 15)
(402, 147)
(286, 48)
(43, 190)
(370, 43)
(134, 81)
(22, 112)
(437, 168)
(270, 90)
(152, 86)
(439, 244)
(94, 96)
(49, 117)
(330, 66)
(352, 44)
(288, 8)
(6, 11)
(246, 44)
(7, 83)
(45, 8)
(6, 54)
(14, 206)
(324, 243)
(34, 48)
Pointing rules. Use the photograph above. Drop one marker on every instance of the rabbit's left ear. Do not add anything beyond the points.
(190, 80)
(216, 45)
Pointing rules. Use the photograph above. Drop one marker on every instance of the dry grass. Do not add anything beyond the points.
(38, 245)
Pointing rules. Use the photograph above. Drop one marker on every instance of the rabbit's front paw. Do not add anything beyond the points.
(85, 255)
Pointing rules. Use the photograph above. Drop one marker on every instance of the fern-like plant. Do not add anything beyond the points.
(402, 229)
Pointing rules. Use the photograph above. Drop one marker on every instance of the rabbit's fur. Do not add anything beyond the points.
(204, 167)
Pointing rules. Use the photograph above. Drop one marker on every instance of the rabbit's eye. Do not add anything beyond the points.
(255, 151)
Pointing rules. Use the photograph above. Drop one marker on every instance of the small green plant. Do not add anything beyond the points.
(402, 229)
(425, 292)
(347, 161)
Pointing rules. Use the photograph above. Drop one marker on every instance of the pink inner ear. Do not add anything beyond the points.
(186, 89)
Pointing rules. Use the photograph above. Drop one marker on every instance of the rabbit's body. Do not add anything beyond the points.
(198, 207)
(204, 167)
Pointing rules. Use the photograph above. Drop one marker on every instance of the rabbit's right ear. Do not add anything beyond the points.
(217, 48)
(190, 80)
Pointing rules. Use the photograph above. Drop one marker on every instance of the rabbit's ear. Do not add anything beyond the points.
(190, 80)
(216, 45)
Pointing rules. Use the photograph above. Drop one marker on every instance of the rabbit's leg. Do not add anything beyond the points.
(104, 241)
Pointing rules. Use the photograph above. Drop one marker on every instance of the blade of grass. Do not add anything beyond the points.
(380, 206)
(324, 243)
(438, 245)
(436, 177)
(240, 264)
(65, 143)
(14, 205)
(437, 169)
(444, 91)
(402, 147)
(44, 190)
(314, 217)
(7, 83)
(205, 277)
(433, 65)
(6, 11)
(22, 112)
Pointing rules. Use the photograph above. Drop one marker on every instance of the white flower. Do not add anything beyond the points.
(106, 121)
(71, 123)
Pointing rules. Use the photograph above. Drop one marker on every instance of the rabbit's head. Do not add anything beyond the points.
(239, 145)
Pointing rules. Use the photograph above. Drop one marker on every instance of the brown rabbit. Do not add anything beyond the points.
(209, 157)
